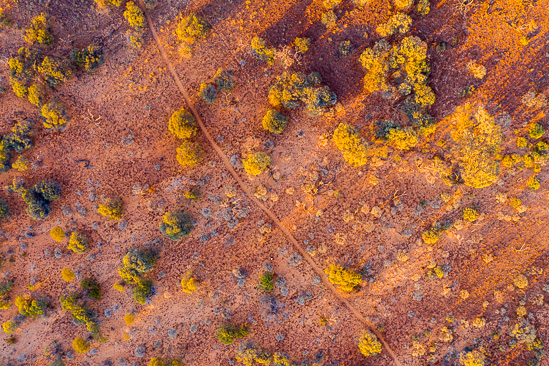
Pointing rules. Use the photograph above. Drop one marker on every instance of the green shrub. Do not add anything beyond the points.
(223, 79)
(188, 154)
(134, 16)
(368, 344)
(92, 287)
(111, 209)
(78, 242)
(207, 92)
(536, 131)
(89, 59)
(182, 124)
(142, 290)
(30, 307)
(5, 288)
(54, 115)
(80, 345)
(19, 139)
(274, 122)
(80, 313)
(353, 148)
(191, 28)
(37, 197)
(266, 282)
(39, 31)
(9, 326)
(261, 51)
(176, 224)
(346, 280)
(227, 333)
(256, 163)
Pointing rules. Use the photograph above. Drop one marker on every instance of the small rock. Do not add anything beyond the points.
(57, 253)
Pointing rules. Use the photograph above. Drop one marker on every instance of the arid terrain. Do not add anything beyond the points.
(260, 182)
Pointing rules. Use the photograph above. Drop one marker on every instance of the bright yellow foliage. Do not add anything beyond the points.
(188, 154)
(403, 139)
(80, 345)
(36, 95)
(353, 148)
(346, 280)
(302, 44)
(9, 326)
(112, 209)
(53, 114)
(473, 358)
(129, 319)
(261, 51)
(189, 283)
(469, 214)
(67, 275)
(182, 124)
(256, 163)
(368, 344)
(21, 164)
(399, 22)
(39, 31)
(134, 16)
(78, 243)
(57, 234)
(191, 28)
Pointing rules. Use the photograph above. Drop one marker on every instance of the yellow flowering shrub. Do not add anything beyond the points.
(129, 319)
(261, 51)
(21, 164)
(182, 124)
(78, 242)
(57, 234)
(54, 115)
(368, 344)
(54, 71)
(9, 326)
(176, 224)
(67, 274)
(403, 139)
(80, 345)
(188, 154)
(111, 209)
(107, 3)
(90, 58)
(36, 95)
(30, 307)
(134, 16)
(274, 122)
(346, 280)
(39, 31)
(191, 28)
(256, 163)
(398, 23)
(470, 214)
(302, 44)
(353, 148)
(473, 358)
(189, 283)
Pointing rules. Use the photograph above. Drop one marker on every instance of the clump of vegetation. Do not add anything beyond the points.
(108, 3)
(345, 48)
(521, 281)
(91, 286)
(302, 44)
(134, 16)
(207, 91)
(368, 344)
(274, 121)
(260, 50)
(30, 307)
(477, 139)
(111, 209)
(432, 235)
(353, 148)
(5, 288)
(536, 131)
(329, 19)
(54, 71)
(4, 210)
(470, 214)
(5, 21)
(57, 234)
(256, 163)
(191, 28)
(9, 326)
(39, 31)
(136, 263)
(78, 242)
(80, 312)
(227, 333)
(403, 4)
(54, 115)
(182, 124)
(291, 89)
(80, 345)
(478, 71)
(158, 361)
(266, 282)
(189, 283)
(346, 280)
(129, 319)
(89, 58)
(36, 95)
(473, 358)
(188, 154)
(533, 183)
(398, 23)
(223, 80)
(67, 275)
(176, 224)
(423, 7)
(38, 197)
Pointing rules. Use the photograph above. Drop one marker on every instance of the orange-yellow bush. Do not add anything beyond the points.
(80, 345)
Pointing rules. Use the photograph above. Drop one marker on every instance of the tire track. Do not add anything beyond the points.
(250, 195)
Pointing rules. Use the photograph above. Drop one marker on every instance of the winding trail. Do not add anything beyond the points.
(251, 196)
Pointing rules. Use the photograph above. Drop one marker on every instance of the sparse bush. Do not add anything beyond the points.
(182, 124)
(21, 164)
(19, 139)
(188, 154)
(67, 275)
(368, 344)
(9, 326)
(158, 361)
(302, 44)
(5, 21)
(90, 58)
(224, 80)
(536, 131)
(352, 146)
(261, 51)
(37, 197)
(36, 95)
(54, 115)
(403, 138)
(111, 209)
(57, 234)
(521, 281)
(30, 307)
(134, 16)
(423, 7)
(345, 48)
(142, 290)
(4, 210)
(80, 345)
(398, 23)
(108, 3)
(176, 224)
(227, 333)
(346, 280)
(470, 214)
(207, 91)
(39, 31)
(274, 121)
(5, 288)
(266, 282)
(256, 163)
(432, 235)
(80, 313)
(330, 4)
(93, 289)
(191, 28)
(189, 283)
(78, 242)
